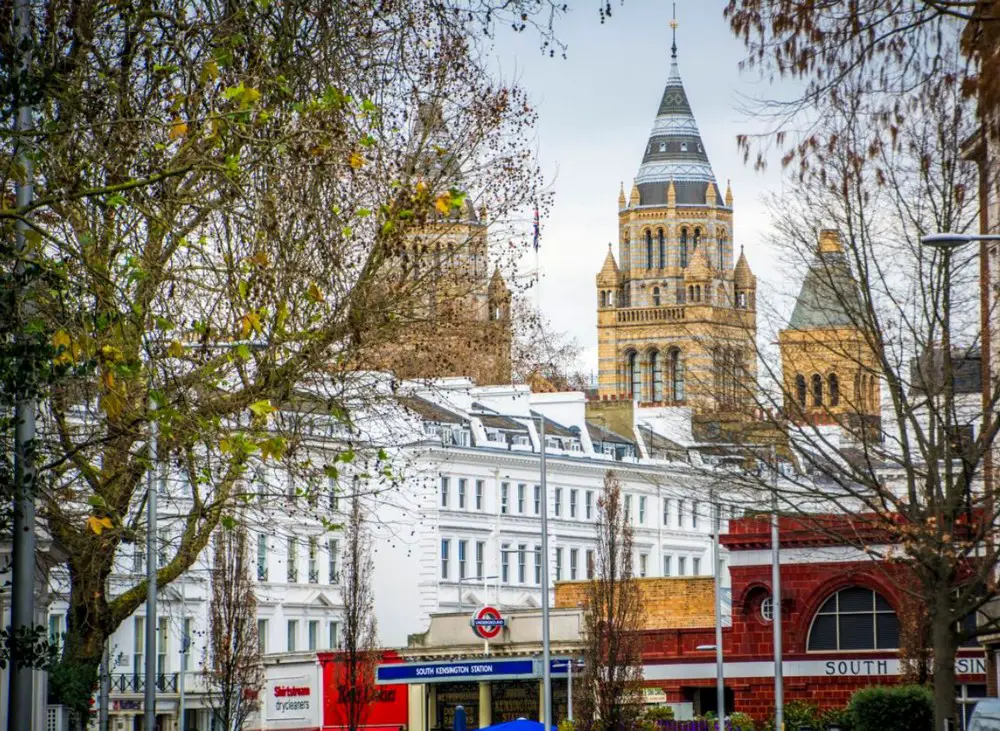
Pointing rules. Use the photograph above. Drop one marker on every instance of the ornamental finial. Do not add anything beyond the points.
(673, 27)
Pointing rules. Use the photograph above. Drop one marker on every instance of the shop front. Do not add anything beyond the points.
(494, 680)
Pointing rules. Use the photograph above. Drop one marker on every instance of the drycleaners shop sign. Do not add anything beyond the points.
(293, 700)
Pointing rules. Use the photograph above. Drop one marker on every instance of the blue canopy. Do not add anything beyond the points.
(521, 724)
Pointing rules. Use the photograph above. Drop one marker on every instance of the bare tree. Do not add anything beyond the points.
(542, 353)
(234, 675)
(360, 654)
(612, 679)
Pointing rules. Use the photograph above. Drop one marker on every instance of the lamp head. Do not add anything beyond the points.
(946, 241)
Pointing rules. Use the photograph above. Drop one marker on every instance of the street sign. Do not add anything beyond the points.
(487, 622)
(441, 672)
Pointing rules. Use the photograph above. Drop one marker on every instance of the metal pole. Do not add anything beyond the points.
(720, 683)
(185, 646)
(22, 610)
(149, 707)
(546, 669)
(569, 689)
(779, 691)
(105, 688)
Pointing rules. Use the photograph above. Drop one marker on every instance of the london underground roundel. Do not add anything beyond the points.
(487, 622)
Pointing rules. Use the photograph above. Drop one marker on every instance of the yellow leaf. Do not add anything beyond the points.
(260, 259)
(61, 341)
(109, 380)
(443, 203)
(356, 160)
(178, 129)
(314, 293)
(261, 408)
(175, 349)
(210, 71)
(112, 404)
(421, 187)
(99, 525)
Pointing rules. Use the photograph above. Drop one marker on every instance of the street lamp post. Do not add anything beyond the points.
(546, 669)
(152, 473)
(720, 682)
(779, 686)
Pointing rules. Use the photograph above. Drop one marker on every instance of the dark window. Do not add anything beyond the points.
(833, 388)
(854, 619)
(656, 372)
(817, 389)
(676, 366)
(800, 389)
(649, 249)
(684, 247)
(634, 376)
(663, 248)
(656, 296)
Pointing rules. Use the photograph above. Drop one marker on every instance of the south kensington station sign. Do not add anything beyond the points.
(480, 669)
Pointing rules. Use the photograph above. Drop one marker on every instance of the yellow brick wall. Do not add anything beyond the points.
(668, 603)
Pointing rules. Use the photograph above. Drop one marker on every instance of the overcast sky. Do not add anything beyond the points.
(596, 108)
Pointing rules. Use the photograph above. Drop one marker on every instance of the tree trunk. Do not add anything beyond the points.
(943, 635)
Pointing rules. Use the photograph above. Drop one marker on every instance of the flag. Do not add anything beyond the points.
(537, 230)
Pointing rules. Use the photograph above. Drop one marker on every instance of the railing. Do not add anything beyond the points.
(136, 682)
(650, 314)
(314, 577)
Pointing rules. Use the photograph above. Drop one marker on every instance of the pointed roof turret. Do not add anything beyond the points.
(675, 149)
(621, 196)
(610, 274)
(729, 194)
(699, 268)
(742, 275)
(497, 283)
(829, 296)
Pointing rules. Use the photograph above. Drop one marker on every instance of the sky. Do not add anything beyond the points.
(596, 108)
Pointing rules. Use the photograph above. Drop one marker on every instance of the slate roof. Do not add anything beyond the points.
(675, 151)
(495, 421)
(554, 429)
(430, 411)
(828, 296)
(599, 433)
(966, 365)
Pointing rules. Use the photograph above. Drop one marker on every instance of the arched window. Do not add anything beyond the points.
(722, 251)
(697, 293)
(634, 376)
(663, 248)
(676, 366)
(649, 249)
(656, 375)
(800, 389)
(817, 389)
(697, 236)
(741, 300)
(854, 619)
(859, 390)
(690, 293)
(872, 393)
(656, 296)
(684, 247)
(833, 389)
(604, 298)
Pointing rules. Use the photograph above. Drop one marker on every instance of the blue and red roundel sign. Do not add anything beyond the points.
(487, 622)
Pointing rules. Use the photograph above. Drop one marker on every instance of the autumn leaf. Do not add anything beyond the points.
(356, 160)
(178, 129)
(175, 349)
(443, 203)
(250, 322)
(314, 294)
(99, 525)
(61, 341)
(261, 408)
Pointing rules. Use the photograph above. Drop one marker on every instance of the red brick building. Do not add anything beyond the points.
(840, 628)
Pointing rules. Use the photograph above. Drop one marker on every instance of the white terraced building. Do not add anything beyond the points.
(463, 528)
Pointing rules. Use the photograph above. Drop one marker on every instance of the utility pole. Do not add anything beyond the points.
(720, 682)
(779, 690)
(152, 474)
(105, 688)
(546, 669)
(22, 611)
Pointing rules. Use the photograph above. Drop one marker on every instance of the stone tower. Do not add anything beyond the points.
(457, 321)
(676, 319)
(829, 372)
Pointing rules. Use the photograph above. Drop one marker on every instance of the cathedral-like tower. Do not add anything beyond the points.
(829, 371)
(676, 319)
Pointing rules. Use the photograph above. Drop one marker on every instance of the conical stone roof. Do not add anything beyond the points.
(675, 151)
(742, 274)
(829, 297)
(609, 274)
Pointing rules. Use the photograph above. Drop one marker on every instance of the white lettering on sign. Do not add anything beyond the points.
(857, 667)
(970, 666)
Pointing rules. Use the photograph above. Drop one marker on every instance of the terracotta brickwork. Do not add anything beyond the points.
(670, 602)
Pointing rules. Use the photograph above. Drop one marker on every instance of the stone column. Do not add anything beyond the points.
(416, 707)
(432, 707)
(485, 703)
(541, 701)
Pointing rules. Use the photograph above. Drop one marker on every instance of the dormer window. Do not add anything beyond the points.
(663, 147)
(684, 147)
(699, 147)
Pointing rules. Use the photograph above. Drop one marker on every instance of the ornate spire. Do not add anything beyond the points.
(729, 194)
(621, 196)
(674, 149)
(673, 27)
